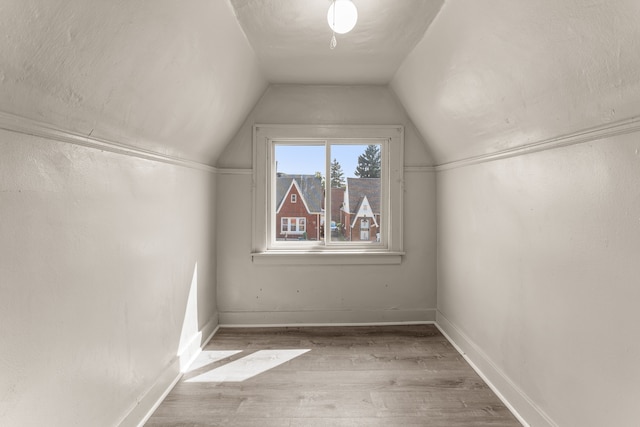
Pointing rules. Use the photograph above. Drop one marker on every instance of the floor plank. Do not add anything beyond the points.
(406, 375)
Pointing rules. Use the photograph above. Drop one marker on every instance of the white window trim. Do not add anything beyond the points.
(389, 252)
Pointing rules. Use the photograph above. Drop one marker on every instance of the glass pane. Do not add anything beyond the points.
(356, 194)
(299, 193)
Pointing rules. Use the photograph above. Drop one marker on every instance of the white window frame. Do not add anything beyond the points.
(294, 198)
(265, 248)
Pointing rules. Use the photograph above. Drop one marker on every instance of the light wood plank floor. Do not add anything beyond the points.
(351, 376)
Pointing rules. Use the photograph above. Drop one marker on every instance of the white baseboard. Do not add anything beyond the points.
(325, 318)
(308, 325)
(149, 401)
(191, 351)
(522, 407)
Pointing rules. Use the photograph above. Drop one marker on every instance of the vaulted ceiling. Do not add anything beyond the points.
(179, 78)
(494, 75)
(291, 39)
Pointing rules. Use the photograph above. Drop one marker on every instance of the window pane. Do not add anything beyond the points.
(356, 194)
(299, 193)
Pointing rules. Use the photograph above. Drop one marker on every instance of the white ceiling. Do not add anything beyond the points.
(291, 39)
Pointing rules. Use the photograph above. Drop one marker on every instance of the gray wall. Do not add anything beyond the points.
(107, 278)
(266, 294)
(538, 278)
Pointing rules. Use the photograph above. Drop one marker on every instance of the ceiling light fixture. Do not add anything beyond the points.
(342, 17)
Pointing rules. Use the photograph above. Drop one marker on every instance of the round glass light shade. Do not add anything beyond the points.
(344, 17)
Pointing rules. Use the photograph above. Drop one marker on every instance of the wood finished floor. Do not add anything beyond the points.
(351, 376)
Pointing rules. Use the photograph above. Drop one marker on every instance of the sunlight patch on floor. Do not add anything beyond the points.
(208, 357)
(248, 366)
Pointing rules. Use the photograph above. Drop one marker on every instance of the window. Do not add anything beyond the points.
(292, 226)
(348, 177)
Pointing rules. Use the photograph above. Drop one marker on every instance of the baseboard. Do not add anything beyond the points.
(303, 325)
(325, 318)
(149, 401)
(194, 347)
(522, 407)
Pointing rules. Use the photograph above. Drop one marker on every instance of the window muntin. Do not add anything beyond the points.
(386, 240)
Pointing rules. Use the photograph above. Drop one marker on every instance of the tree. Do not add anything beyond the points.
(319, 176)
(337, 176)
(369, 163)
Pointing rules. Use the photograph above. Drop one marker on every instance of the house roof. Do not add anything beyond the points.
(310, 190)
(358, 188)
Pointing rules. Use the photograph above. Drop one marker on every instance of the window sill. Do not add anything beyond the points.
(327, 257)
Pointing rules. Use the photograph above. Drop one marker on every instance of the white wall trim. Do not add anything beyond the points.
(191, 351)
(149, 401)
(417, 169)
(620, 127)
(325, 317)
(234, 171)
(522, 407)
(23, 125)
(314, 325)
(249, 171)
(328, 257)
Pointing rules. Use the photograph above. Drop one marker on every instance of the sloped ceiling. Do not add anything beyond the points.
(497, 74)
(176, 78)
(179, 78)
(291, 39)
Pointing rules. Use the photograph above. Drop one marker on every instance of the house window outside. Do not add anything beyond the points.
(350, 178)
(293, 225)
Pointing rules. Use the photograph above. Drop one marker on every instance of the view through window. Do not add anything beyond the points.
(328, 192)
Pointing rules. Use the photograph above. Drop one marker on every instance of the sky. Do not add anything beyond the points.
(297, 159)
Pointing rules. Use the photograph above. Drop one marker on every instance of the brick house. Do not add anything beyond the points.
(361, 209)
(299, 207)
(337, 200)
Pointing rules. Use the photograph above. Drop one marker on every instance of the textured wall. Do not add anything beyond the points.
(538, 278)
(173, 78)
(107, 273)
(252, 293)
(497, 74)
